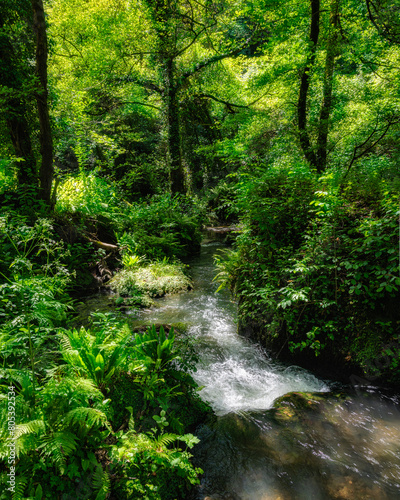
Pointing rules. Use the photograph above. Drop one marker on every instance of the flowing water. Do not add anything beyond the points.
(281, 433)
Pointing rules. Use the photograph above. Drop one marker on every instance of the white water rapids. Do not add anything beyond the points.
(236, 374)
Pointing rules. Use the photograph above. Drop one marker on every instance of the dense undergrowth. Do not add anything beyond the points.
(106, 412)
(316, 268)
(100, 412)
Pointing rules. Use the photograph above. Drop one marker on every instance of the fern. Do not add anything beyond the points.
(59, 445)
(101, 483)
(89, 416)
(97, 356)
(12, 374)
(32, 427)
(165, 440)
(20, 484)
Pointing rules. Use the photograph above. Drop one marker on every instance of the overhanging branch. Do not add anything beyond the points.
(211, 60)
(367, 149)
(228, 104)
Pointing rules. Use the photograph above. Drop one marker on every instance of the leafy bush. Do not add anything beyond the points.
(167, 226)
(98, 356)
(222, 202)
(88, 194)
(164, 226)
(58, 429)
(64, 422)
(8, 177)
(154, 280)
(316, 269)
(152, 470)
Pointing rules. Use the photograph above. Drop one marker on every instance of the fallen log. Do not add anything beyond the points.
(109, 247)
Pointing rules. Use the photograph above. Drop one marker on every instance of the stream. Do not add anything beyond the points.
(280, 432)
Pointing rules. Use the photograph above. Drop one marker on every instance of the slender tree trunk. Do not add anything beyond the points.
(46, 140)
(173, 129)
(14, 109)
(305, 142)
(331, 53)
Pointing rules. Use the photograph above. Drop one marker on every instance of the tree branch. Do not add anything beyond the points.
(139, 81)
(196, 36)
(228, 104)
(371, 146)
(211, 60)
(73, 45)
(119, 104)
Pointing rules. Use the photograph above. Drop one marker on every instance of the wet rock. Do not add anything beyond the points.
(179, 328)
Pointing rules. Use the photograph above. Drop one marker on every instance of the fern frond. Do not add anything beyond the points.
(101, 483)
(166, 439)
(86, 385)
(89, 416)
(20, 485)
(59, 445)
(32, 427)
(26, 444)
(12, 374)
(64, 341)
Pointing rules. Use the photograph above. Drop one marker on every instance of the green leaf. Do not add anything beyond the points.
(85, 464)
(38, 493)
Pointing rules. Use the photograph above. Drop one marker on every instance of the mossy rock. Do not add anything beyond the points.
(134, 301)
(293, 406)
(141, 284)
(191, 410)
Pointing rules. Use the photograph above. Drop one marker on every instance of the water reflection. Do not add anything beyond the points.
(310, 446)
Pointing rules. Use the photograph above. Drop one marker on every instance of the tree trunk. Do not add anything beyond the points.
(331, 53)
(173, 129)
(14, 110)
(46, 140)
(305, 142)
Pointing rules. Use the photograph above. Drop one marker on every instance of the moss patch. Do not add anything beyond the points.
(154, 280)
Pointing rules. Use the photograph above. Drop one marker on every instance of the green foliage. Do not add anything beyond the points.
(61, 376)
(153, 280)
(64, 422)
(221, 202)
(316, 270)
(146, 456)
(168, 226)
(33, 300)
(55, 436)
(87, 194)
(165, 226)
(155, 349)
(7, 175)
(131, 261)
(97, 355)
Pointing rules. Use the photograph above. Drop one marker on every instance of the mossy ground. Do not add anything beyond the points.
(153, 280)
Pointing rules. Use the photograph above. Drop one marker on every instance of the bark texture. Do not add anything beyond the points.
(331, 53)
(14, 108)
(305, 142)
(46, 171)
